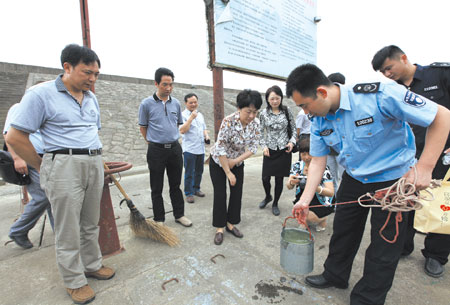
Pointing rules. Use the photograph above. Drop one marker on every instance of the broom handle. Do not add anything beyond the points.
(116, 183)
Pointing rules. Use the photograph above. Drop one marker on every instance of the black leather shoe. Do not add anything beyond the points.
(318, 281)
(263, 203)
(218, 238)
(22, 240)
(275, 211)
(235, 232)
(433, 268)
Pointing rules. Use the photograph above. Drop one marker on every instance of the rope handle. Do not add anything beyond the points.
(297, 217)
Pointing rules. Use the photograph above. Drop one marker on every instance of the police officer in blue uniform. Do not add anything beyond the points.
(367, 125)
(432, 82)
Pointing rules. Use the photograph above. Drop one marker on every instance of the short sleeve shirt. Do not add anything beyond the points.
(161, 119)
(302, 122)
(35, 138)
(297, 170)
(432, 82)
(370, 131)
(194, 139)
(233, 139)
(62, 121)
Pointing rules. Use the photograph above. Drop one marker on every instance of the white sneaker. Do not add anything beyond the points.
(183, 220)
(320, 229)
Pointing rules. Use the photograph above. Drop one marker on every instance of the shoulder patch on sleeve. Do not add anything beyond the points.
(366, 88)
(441, 64)
(414, 99)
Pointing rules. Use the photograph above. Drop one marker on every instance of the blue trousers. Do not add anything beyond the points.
(193, 171)
(34, 209)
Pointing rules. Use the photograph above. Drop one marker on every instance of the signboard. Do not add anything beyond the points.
(268, 37)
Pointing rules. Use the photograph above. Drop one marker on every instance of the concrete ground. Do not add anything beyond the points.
(249, 273)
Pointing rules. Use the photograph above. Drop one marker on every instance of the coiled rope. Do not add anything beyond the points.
(399, 197)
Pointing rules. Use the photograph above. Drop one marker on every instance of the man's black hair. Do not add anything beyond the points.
(248, 97)
(74, 54)
(303, 143)
(305, 79)
(337, 78)
(187, 96)
(159, 73)
(391, 52)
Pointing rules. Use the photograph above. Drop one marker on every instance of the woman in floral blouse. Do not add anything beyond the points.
(324, 193)
(237, 140)
(277, 139)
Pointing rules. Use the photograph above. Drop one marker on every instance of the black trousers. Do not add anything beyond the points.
(222, 214)
(381, 257)
(159, 160)
(437, 246)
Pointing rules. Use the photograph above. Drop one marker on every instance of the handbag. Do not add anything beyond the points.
(289, 130)
(434, 216)
(8, 172)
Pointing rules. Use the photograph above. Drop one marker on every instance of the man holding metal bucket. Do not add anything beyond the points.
(366, 125)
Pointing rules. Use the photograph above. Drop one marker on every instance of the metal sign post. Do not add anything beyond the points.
(217, 72)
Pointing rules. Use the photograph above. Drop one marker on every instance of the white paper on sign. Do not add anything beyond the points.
(226, 15)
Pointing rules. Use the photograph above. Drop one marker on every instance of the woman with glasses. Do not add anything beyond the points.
(277, 139)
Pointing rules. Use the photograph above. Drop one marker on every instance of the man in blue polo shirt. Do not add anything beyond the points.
(367, 125)
(159, 118)
(68, 116)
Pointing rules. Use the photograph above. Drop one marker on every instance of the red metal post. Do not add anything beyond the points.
(218, 98)
(85, 29)
(85, 23)
(216, 71)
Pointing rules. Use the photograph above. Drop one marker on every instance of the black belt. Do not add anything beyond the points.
(76, 151)
(165, 145)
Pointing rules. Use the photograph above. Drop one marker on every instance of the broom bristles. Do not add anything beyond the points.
(148, 228)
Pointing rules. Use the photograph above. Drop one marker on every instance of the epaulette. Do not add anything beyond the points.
(366, 88)
(441, 64)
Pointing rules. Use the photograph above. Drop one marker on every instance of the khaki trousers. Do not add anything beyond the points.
(73, 185)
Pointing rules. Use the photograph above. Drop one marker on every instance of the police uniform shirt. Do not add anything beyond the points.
(62, 121)
(161, 119)
(369, 130)
(433, 82)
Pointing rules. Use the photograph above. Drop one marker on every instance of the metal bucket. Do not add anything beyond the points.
(296, 251)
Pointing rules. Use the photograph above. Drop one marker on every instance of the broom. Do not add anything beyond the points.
(142, 227)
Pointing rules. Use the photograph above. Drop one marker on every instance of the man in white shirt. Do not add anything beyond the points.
(194, 135)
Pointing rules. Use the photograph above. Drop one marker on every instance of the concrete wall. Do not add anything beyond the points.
(119, 99)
